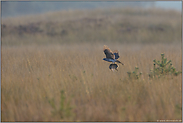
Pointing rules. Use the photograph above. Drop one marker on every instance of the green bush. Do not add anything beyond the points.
(163, 67)
(64, 111)
(134, 74)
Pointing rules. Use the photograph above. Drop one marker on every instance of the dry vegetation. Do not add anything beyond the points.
(113, 25)
(36, 66)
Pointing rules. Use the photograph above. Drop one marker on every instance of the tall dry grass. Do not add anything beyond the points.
(62, 51)
(32, 75)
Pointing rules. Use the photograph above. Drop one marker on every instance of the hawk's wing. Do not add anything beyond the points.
(116, 54)
(109, 54)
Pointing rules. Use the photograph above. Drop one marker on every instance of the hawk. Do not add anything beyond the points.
(111, 57)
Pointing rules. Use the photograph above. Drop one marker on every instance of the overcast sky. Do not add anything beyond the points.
(170, 4)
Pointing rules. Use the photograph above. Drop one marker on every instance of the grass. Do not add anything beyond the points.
(60, 76)
(32, 75)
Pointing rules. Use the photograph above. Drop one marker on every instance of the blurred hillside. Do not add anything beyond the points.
(115, 25)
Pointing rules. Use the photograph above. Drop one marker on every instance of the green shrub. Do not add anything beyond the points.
(134, 74)
(64, 111)
(163, 67)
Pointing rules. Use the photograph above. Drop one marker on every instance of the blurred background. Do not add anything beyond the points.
(26, 22)
(14, 8)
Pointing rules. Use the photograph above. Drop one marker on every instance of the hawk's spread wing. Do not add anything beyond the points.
(109, 54)
(116, 54)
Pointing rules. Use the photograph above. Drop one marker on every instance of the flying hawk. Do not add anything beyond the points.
(111, 57)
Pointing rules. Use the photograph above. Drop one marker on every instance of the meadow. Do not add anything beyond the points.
(52, 67)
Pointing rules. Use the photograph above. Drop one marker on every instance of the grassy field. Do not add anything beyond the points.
(62, 77)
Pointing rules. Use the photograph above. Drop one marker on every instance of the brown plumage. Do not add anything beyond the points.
(113, 66)
(111, 56)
